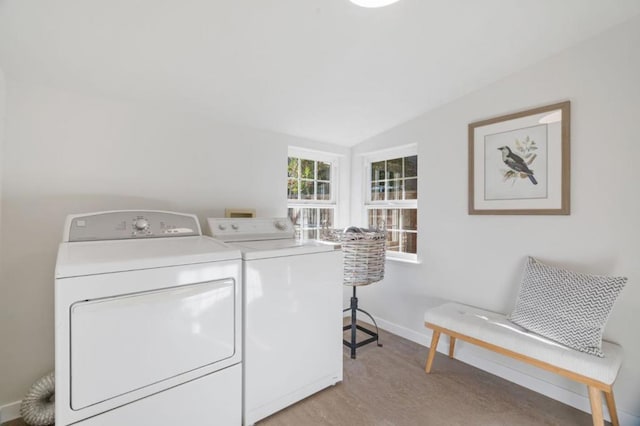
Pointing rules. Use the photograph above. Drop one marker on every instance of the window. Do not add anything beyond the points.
(311, 192)
(392, 199)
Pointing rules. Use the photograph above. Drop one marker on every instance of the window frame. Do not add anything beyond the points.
(369, 204)
(333, 201)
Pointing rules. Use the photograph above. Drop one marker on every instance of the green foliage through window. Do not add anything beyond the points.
(310, 196)
(308, 179)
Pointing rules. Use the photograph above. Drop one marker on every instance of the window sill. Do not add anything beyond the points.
(402, 260)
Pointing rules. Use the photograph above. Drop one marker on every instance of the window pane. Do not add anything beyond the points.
(411, 189)
(306, 190)
(394, 190)
(324, 191)
(311, 218)
(375, 217)
(293, 169)
(394, 168)
(377, 171)
(326, 218)
(308, 222)
(387, 218)
(292, 189)
(310, 194)
(393, 241)
(410, 219)
(377, 191)
(409, 242)
(310, 234)
(306, 169)
(394, 180)
(411, 166)
(393, 219)
(396, 222)
(324, 171)
(294, 215)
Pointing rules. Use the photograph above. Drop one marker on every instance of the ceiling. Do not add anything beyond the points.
(321, 69)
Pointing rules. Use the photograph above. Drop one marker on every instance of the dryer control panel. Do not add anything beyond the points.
(130, 224)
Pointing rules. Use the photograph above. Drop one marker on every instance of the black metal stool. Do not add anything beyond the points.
(364, 258)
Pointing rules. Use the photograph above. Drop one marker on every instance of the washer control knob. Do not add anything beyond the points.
(280, 225)
(141, 224)
(235, 226)
(222, 227)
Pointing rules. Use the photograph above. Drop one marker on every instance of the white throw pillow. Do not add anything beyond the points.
(568, 307)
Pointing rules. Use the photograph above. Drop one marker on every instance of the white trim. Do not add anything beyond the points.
(391, 204)
(313, 154)
(389, 153)
(403, 257)
(10, 411)
(476, 357)
(323, 204)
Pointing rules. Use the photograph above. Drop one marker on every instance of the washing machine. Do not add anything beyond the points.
(292, 312)
(148, 316)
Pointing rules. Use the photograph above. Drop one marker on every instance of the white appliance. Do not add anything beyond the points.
(147, 322)
(292, 313)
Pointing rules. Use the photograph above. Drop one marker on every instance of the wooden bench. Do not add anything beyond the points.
(494, 332)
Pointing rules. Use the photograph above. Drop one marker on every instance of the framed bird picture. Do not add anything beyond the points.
(519, 163)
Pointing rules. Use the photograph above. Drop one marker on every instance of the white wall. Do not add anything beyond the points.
(478, 259)
(4, 318)
(3, 91)
(67, 153)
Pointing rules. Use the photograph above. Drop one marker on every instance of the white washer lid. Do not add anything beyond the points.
(263, 249)
(99, 257)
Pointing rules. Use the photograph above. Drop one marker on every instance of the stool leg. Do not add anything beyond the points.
(375, 324)
(354, 310)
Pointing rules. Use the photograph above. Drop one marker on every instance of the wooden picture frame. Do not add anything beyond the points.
(519, 164)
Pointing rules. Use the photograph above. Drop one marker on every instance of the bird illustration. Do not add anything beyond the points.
(516, 163)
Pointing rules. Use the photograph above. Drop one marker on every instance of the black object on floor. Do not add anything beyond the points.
(353, 344)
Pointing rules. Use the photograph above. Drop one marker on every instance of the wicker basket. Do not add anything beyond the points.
(364, 254)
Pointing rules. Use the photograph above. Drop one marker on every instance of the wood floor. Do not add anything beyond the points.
(388, 387)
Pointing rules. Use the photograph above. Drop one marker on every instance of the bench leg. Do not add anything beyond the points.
(595, 397)
(452, 346)
(432, 350)
(611, 405)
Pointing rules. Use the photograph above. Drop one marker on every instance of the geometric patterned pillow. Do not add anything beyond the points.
(565, 306)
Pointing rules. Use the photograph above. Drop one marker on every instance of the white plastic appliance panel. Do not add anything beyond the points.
(101, 257)
(293, 330)
(215, 399)
(71, 290)
(124, 343)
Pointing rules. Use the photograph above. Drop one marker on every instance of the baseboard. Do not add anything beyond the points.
(476, 359)
(10, 411)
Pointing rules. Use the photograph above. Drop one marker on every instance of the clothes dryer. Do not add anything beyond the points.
(147, 322)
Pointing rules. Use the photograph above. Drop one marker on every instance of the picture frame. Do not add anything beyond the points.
(519, 164)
